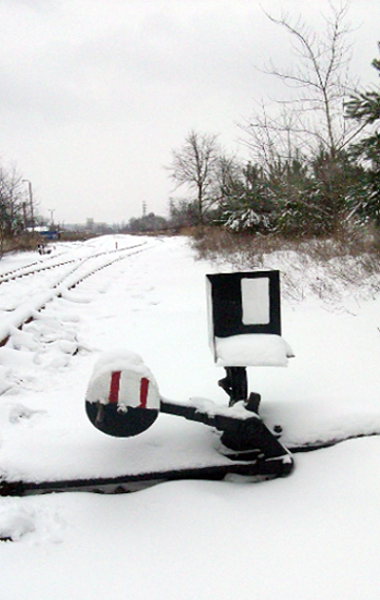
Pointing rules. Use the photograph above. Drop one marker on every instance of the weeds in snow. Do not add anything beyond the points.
(335, 269)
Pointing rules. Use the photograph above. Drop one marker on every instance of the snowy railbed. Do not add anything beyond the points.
(316, 530)
(21, 301)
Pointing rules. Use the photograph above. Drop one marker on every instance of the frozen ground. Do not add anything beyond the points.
(314, 535)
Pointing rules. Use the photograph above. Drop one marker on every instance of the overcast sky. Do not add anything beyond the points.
(95, 94)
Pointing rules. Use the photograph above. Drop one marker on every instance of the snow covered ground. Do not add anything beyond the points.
(313, 535)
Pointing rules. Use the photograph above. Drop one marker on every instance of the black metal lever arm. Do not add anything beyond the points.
(240, 433)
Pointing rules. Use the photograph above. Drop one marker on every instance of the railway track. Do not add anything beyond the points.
(39, 266)
(84, 267)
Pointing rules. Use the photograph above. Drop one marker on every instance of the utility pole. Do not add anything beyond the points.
(51, 211)
(24, 215)
(30, 201)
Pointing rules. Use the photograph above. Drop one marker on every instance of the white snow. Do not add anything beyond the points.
(313, 535)
(252, 349)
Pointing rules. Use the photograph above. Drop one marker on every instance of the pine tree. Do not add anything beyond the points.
(365, 108)
(247, 202)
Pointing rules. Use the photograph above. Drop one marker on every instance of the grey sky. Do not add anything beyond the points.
(96, 93)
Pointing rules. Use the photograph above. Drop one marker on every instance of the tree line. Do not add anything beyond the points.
(16, 205)
(314, 157)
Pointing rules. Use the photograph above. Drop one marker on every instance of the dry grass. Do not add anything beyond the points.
(27, 241)
(331, 268)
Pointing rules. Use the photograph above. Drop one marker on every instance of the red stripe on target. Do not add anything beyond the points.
(115, 387)
(144, 387)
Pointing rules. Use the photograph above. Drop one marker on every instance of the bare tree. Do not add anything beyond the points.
(227, 172)
(13, 207)
(310, 118)
(194, 165)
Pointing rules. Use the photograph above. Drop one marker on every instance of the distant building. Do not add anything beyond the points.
(90, 227)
